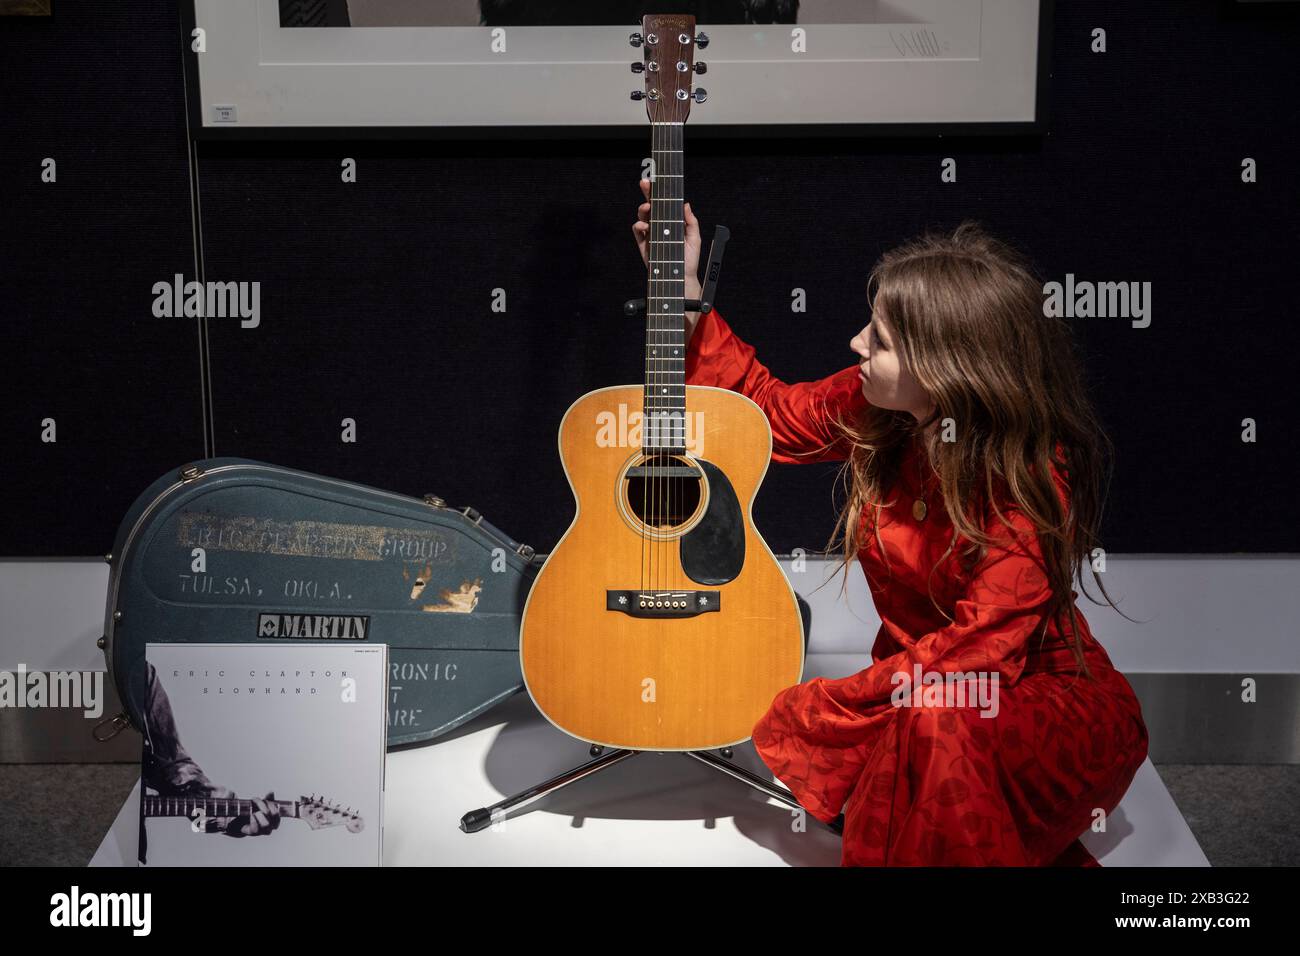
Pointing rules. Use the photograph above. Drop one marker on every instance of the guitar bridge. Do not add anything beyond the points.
(655, 604)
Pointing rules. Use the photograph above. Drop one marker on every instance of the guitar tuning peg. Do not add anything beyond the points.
(635, 39)
(701, 95)
(701, 68)
(638, 94)
(638, 67)
(702, 40)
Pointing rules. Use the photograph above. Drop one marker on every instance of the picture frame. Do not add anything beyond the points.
(939, 67)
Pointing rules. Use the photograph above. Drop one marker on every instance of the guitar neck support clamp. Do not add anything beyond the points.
(712, 269)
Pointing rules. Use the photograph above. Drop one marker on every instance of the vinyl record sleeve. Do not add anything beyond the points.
(304, 721)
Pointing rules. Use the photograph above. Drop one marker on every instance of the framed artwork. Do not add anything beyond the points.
(521, 67)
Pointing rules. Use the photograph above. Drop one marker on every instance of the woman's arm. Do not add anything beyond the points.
(801, 414)
(827, 720)
(1003, 606)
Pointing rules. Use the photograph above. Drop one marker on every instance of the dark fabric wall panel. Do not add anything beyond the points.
(376, 296)
(97, 88)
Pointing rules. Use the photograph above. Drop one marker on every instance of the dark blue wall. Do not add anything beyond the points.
(375, 297)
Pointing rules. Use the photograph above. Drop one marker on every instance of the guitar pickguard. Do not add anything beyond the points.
(713, 552)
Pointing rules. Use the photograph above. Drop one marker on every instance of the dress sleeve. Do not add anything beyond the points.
(813, 734)
(1004, 605)
(801, 415)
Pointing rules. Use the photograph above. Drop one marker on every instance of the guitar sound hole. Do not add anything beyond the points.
(663, 491)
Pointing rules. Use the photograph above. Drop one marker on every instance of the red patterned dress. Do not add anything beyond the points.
(940, 784)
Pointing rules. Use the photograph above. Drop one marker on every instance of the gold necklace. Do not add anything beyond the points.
(919, 507)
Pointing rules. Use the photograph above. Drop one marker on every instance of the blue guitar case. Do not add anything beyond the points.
(231, 550)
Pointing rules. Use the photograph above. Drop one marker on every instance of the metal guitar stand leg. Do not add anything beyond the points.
(482, 818)
(758, 783)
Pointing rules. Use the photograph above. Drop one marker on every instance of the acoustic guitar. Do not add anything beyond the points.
(661, 620)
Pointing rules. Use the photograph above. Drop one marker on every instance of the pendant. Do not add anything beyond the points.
(919, 509)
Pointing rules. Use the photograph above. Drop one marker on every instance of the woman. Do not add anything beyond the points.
(991, 728)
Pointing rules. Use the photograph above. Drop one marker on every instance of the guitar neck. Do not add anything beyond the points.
(668, 42)
(665, 368)
(212, 807)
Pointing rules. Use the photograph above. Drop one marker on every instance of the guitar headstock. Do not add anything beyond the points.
(320, 814)
(669, 43)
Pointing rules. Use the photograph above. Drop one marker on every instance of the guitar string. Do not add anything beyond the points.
(658, 419)
(647, 495)
(648, 418)
(657, 530)
(668, 418)
(660, 478)
(657, 447)
(646, 444)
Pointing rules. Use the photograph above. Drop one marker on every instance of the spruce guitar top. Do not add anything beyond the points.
(661, 620)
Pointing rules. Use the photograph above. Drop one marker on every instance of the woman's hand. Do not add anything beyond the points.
(641, 230)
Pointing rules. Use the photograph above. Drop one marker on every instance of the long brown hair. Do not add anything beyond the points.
(966, 312)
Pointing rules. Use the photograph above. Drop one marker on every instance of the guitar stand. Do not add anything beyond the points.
(480, 819)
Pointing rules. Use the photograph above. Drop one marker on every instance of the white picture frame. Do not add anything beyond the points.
(928, 66)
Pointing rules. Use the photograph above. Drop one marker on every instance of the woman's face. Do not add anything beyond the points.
(885, 382)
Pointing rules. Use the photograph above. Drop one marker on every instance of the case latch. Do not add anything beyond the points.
(118, 724)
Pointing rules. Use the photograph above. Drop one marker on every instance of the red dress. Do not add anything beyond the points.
(939, 784)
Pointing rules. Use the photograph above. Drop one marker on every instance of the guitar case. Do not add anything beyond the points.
(232, 550)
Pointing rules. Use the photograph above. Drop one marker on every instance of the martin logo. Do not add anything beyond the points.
(339, 627)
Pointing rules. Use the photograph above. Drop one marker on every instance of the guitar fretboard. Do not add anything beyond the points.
(663, 425)
(157, 806)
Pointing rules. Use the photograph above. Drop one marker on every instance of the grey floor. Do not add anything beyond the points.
(1243, 815)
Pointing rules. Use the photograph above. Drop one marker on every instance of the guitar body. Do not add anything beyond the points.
(699, 675)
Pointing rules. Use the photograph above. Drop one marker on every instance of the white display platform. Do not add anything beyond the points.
(652, 809)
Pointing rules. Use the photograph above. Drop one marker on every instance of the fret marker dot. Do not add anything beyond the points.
(665, 232)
